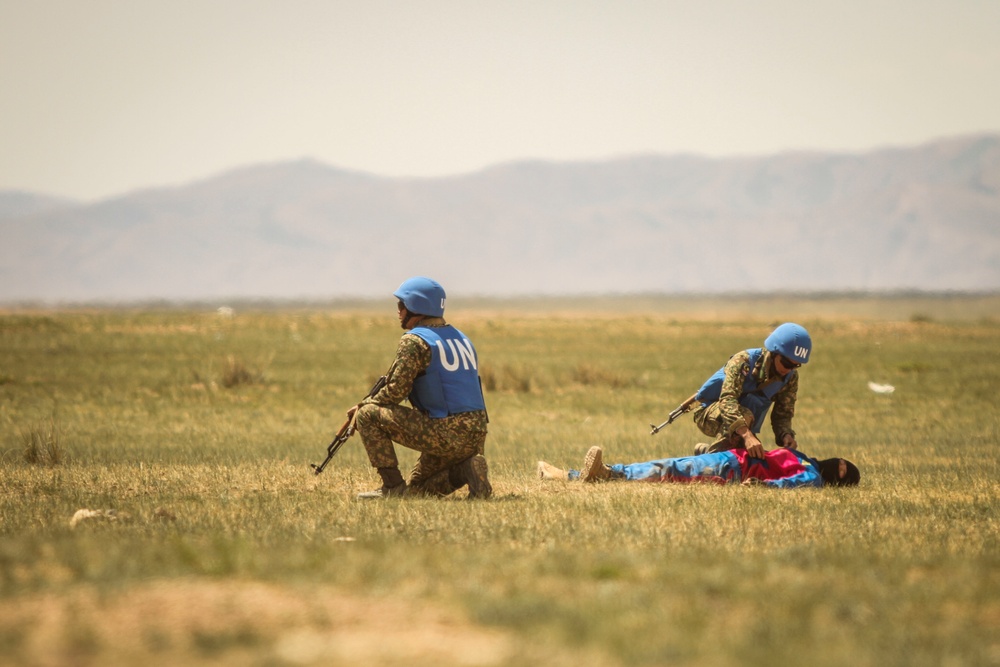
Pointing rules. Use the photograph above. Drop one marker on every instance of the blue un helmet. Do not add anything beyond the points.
(791, 341)
(422, 296)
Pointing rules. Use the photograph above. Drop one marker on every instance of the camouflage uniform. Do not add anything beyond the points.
(442, 443)
(726, 415)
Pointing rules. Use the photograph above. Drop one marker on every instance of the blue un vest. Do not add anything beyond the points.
(758, 401)
(450, 385)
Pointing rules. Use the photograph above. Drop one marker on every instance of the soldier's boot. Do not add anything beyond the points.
(393, 485)
(594, 469)
(548, 472)
(475, 472)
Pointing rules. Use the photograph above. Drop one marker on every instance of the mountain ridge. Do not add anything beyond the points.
(919, 218)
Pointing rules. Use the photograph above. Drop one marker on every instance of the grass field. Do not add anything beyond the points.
(192, 433)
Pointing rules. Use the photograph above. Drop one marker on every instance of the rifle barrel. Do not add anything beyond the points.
(674, 414)
(346, 431)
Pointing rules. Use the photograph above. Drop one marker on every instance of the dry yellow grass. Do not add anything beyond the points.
(215, 544)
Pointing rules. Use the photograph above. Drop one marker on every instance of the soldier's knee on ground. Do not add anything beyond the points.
(435, 485)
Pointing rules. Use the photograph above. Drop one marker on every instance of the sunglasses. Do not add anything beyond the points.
(788, 363)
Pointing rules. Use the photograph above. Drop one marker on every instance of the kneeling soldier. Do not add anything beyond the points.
(437, 369)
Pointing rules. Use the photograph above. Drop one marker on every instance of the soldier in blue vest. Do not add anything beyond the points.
(436, 368)
(735, 400)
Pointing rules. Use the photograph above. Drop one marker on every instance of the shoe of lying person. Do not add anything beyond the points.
(548, 472)
(594, 469)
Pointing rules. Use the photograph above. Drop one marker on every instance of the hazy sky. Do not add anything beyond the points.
(99, 97)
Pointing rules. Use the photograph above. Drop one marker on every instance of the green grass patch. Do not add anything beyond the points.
(41, 444)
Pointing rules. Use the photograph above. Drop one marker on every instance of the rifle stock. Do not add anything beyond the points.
(677, 412)
(345, 432)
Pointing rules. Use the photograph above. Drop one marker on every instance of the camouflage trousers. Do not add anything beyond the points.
(442, 443)
(709, 420)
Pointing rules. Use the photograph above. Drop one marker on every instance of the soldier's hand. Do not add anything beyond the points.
(754, 448)
(788, 441)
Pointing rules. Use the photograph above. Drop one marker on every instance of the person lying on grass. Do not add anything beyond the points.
(781, 468)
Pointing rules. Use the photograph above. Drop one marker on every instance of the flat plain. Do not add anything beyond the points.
(158, 507)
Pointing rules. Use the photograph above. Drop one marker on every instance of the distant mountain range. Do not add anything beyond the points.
(919, 218)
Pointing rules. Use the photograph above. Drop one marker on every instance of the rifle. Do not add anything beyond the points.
(346, 431)
(677, 412)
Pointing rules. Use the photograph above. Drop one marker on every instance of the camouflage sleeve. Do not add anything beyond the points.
(736, 371)
(784, 409)
(413, 356)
